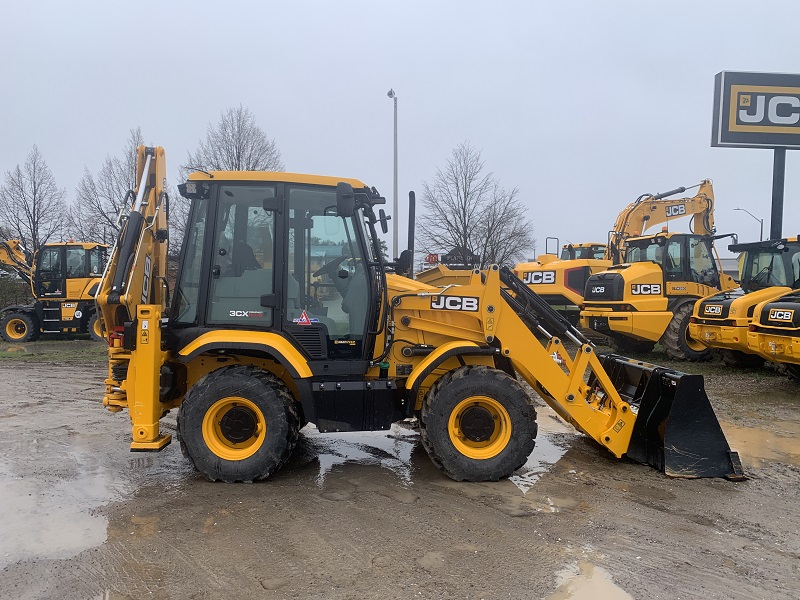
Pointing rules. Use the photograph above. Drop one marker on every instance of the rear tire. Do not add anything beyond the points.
(477, 424)
(676, 340)
(95, 328)
(19, 327)
(238, 424)
(742, 360)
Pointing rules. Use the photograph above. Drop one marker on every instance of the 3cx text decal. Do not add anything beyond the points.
(645, 288)
(466, 303)
(536, 277)
(247, 313)
(780, 314)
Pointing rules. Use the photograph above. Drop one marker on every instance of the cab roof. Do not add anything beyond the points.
(278, 176)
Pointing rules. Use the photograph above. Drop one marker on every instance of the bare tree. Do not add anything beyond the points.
(469, 213)
(100, 198)
(32, 206)
(236, 143)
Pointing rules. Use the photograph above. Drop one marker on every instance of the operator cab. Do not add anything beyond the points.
(278, 256)
(58, 264)
(770, 263)
(682, 257)
(583, 251)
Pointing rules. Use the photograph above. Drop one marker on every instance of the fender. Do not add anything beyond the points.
(436, 358)
(23, 308)
(673, 304)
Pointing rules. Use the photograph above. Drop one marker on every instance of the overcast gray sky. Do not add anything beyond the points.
(583, 106)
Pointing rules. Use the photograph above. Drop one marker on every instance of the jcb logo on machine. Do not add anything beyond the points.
(676, 211)
(69, 305)
(780, 314)
(598, 289)
(776, 110)
(535, 277)
(466, 303)
(146, 279)
(646, 289)
(713, 309)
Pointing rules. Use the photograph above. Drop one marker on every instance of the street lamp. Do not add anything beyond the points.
(761, 222)
(395, 219)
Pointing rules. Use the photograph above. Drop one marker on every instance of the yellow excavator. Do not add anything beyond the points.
(769, 269)
(285, 313)
(64, 277)
(561, 282)
(650, 295)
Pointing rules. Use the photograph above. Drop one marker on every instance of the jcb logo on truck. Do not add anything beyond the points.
(676, 211)
(465, 303)
(713, 309)
(780, 314)
(646, 289)
(535, 277)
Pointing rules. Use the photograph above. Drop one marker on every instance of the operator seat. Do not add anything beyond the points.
(242, 258)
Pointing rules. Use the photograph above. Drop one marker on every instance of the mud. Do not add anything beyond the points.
(369, 516)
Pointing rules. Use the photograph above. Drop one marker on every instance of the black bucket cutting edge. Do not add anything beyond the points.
(676, 430)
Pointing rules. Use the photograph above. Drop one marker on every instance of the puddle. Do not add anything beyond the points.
(585, 581)
(390, 449)
(756, 446)
(552, 443)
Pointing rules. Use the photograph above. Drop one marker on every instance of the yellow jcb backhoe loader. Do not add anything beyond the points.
(64, 277)
(769, 269)
(284, 314)
(562, 283)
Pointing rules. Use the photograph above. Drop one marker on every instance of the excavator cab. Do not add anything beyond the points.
(682, 257)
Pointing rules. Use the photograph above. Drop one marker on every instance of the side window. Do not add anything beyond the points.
(97, 261)
(701, 262)
(188, 287)
(76, 263)
(242, 263)
(673, 260)
(51, 275)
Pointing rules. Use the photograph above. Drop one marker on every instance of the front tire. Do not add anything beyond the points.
(18, 327)
(677, 342)
(477, 424)
(95, 328)
(238, 424)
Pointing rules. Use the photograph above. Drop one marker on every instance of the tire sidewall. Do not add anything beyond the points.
(504, 390)
(263, 391)
(30, 327)
(684, 313)
(90, 328)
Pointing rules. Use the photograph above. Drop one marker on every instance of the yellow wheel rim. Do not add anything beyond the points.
(16, 329)
(234, 428)
(98, 328)
(692, 343)
(479, 427)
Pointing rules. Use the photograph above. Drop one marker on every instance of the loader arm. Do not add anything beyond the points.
(649, 210)
(12, 254)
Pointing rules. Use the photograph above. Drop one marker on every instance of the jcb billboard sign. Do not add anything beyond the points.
(756, 110)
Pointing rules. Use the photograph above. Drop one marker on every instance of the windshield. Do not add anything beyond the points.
(772, 267)
(645, 250)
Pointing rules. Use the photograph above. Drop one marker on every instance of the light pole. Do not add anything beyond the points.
(760, 221)
(395, 218)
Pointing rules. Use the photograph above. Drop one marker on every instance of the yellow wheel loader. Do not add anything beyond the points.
(769, 269)
(285, 313)
(562, 282)
(774, 332)
(64, 277)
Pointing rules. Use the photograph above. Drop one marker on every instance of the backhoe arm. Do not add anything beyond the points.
(13, 254)
(649, 210)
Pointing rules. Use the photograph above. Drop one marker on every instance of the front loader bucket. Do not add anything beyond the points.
(676, 430)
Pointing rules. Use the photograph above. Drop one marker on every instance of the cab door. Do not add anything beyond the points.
(50, 281)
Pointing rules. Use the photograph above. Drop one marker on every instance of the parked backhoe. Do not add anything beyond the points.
(64, 277)
(769, 269)
(285, 313)
(650, 296)
(774, 332)
(562, 283)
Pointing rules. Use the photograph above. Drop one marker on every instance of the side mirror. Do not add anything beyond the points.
(404, 263)
(383, 220)
(345, 200)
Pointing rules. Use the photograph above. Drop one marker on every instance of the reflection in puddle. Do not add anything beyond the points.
(587, 582)
(552, 443)
(756, 446)
(389, 449)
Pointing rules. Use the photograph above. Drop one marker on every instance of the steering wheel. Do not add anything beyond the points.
(329, 267)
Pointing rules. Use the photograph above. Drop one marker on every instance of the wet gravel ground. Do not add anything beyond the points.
(368, 515)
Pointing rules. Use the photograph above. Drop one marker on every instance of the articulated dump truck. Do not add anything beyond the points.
(285, 313)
